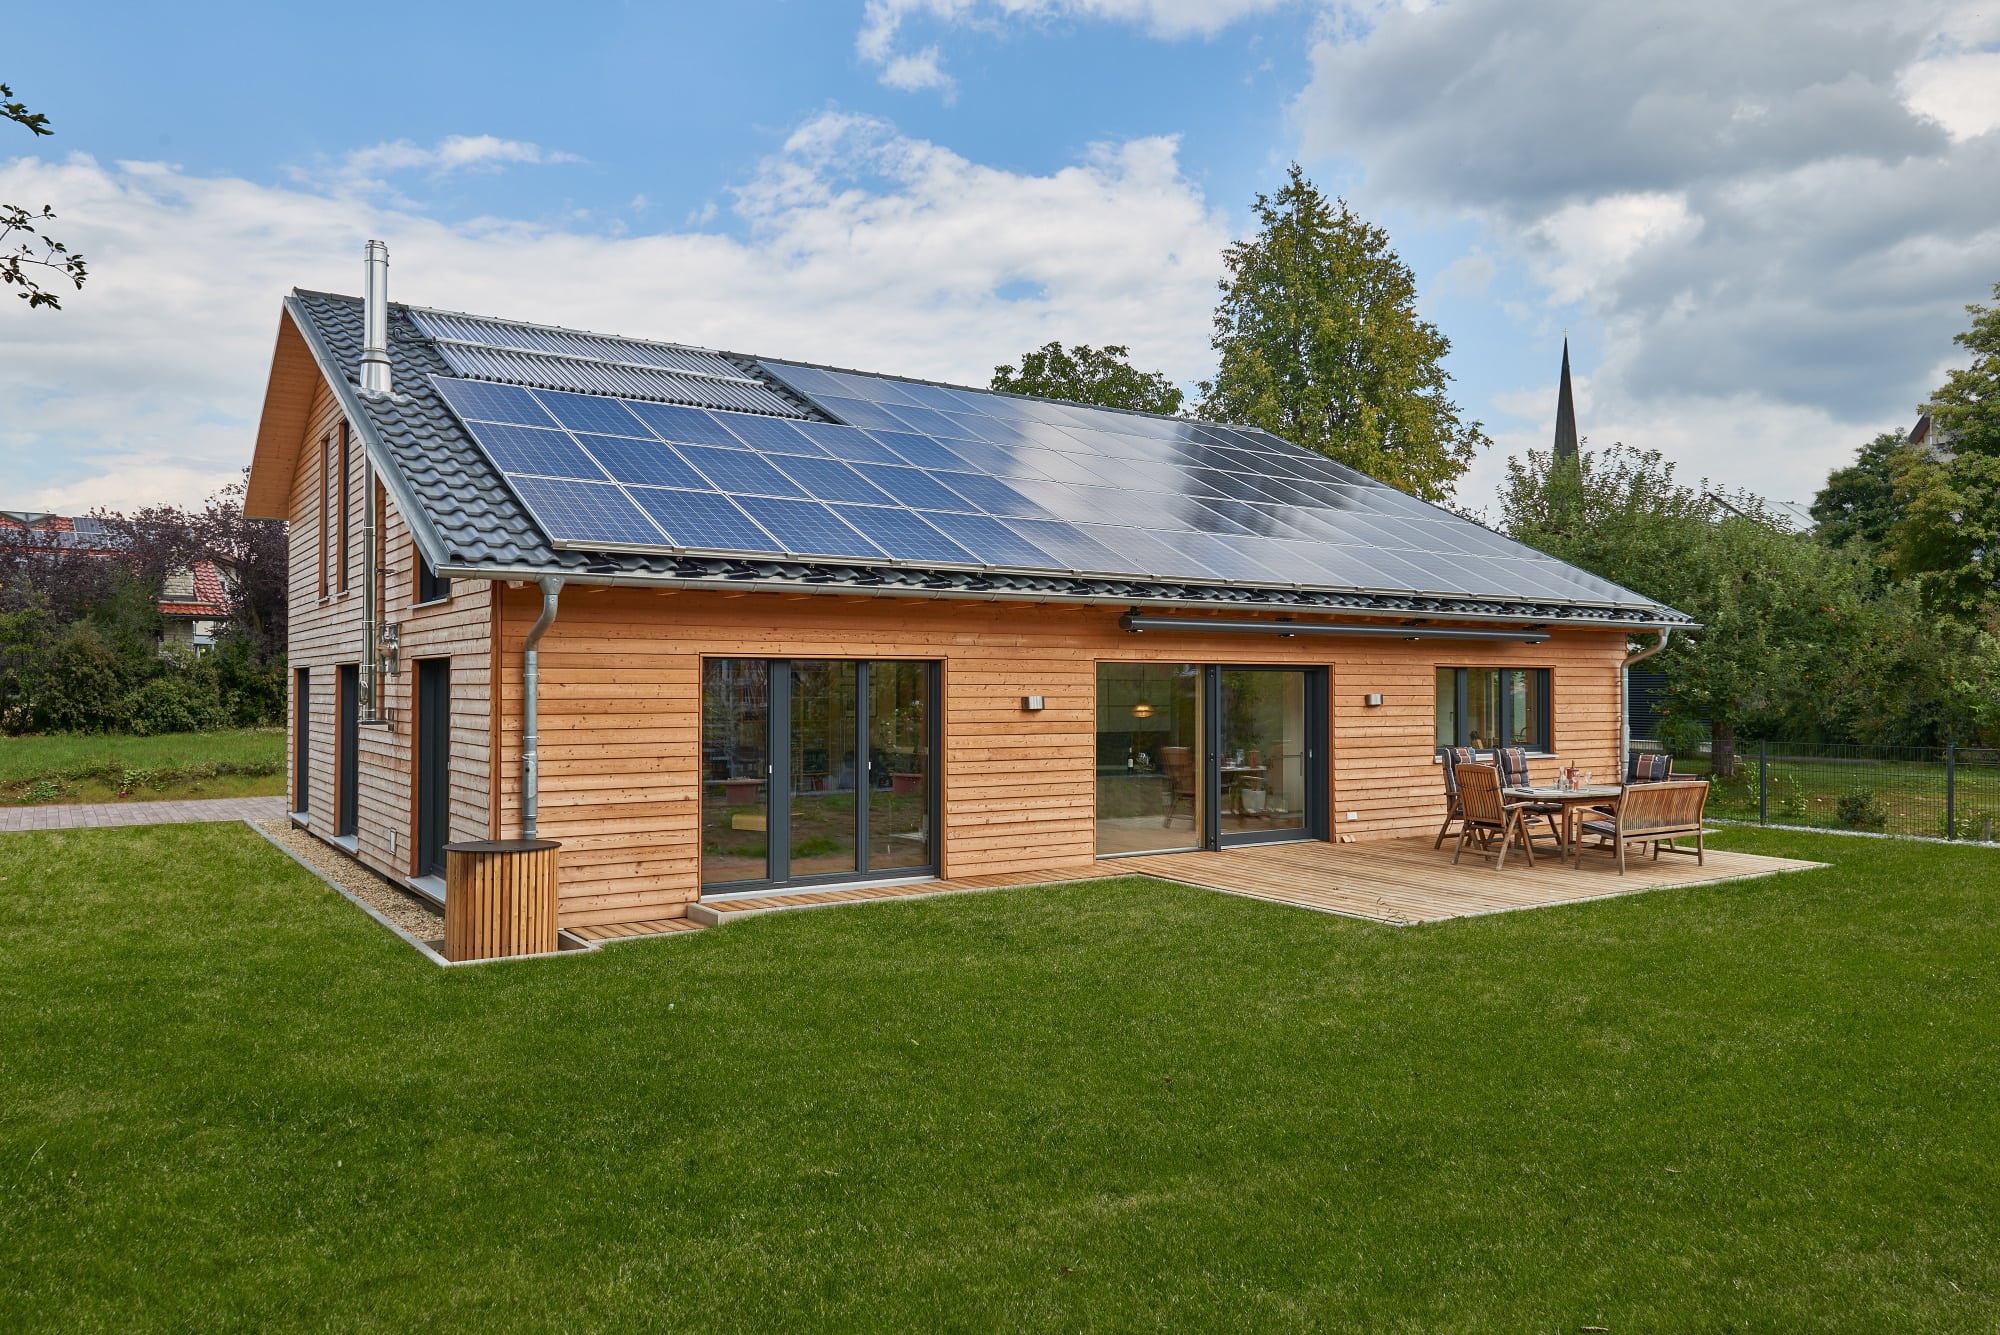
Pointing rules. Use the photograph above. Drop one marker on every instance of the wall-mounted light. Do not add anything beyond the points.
(1031, 703)
(1372, 701)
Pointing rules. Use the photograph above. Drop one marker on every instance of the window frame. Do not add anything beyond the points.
(342, 556)
(325, 511)
(431, 586)
(1541, 683)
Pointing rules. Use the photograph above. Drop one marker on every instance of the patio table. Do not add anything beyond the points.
(1569, 799)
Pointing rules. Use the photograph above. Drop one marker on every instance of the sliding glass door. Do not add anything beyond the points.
(1194, 756)
(848, 790)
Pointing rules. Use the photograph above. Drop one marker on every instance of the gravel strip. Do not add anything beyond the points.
(398, 906)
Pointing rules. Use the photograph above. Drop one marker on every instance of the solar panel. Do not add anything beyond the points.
(594, 512)
(807, 528)
(931, 474)
(702, 519)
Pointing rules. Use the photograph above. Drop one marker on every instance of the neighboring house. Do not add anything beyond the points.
(724, 625)
(194, 602)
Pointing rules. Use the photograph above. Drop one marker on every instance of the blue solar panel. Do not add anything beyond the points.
(994, 543)
(994, 496)
(646, 462)
(739, 471)
(921, 451)
(832, 480)
(859, 412)
(918, 490)
(691, 425)
(1072, 548)
(702, 519)
(588, 412)
(527, 449)
(476, 400)
(807, 528)
(773, 435)
(848, 442)
(905, 536)
(596, 513)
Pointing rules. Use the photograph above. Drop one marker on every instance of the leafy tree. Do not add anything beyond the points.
(23, 247)
(1947, 534)
(1320, 342)
(1799, 637)
(1858, 502)
(1082, 374)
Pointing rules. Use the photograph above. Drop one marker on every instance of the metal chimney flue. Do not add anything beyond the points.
(375, 320)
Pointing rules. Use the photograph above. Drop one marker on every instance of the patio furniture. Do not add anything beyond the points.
(1566, 800)
(1484, 813)
(1177, 763)
(1452, 757)
(1656, 814)
(1513, 761)
(1646, 767)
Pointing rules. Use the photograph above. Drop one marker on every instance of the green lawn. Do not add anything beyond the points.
(75, 767)
(233, 1101)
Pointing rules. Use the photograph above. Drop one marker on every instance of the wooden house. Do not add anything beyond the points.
(724, 624)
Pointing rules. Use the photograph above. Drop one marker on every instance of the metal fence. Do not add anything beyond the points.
(1946, 792)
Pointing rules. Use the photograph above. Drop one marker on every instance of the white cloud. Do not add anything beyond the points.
(1769, 216)
(369, 169)
(1960, 92)
(860, 247)
(882, 22)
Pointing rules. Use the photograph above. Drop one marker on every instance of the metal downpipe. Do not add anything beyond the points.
(1625, 693)
(530, 687)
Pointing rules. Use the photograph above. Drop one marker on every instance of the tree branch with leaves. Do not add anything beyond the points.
(30, 259)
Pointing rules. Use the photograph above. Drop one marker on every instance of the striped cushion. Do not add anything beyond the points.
(1513, 766)
(1651, 767)
(1453, 757)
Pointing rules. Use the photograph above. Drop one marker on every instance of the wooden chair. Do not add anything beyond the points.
(1483, 813)
(1514, 774)
(1177, 763)
(1645, 767)
(1452, 757)
(1656, 814)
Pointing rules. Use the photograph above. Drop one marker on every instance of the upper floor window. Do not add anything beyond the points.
(341, 556)
(326, 470)
(431, 586)
(1488, 707)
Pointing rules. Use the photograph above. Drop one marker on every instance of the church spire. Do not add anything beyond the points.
(1565, 414)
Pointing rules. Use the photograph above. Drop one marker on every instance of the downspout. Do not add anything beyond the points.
(530, 682)
(1625, 693)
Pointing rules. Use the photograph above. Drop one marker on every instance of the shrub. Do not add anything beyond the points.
(1858, 810)
(175, 702)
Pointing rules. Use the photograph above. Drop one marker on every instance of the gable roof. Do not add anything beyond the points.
(1182, 513)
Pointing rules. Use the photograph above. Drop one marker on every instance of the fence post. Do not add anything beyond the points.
(1763, 788)
(1951, 790)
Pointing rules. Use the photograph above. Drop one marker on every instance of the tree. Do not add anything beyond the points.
(1947, 533)
(1858, 502)
(23, 247)
(1083, 374)
(1320, 342)
(1798, 637)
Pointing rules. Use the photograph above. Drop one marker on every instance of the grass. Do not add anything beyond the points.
(233, 1101)
(238, 762)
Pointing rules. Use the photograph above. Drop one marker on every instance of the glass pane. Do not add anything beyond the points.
(735, 763)
(1482, 699)
(823, 768)
(1263, 751)
(1149, 757)
(899, 766)
(1447, 706)
(1524, 707)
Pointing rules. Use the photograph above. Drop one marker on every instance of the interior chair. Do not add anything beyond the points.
(1177, 763)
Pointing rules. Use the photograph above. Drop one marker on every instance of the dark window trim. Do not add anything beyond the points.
(1541, 683)
(325, 509)
(431, 586)
(346, 462)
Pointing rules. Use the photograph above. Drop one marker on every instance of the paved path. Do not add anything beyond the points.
(84, 815)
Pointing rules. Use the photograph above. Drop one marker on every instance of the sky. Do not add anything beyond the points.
(1758, 222)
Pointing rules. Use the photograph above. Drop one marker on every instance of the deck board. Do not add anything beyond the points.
(1395, 881)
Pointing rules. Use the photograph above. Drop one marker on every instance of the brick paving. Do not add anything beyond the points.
(88, 815)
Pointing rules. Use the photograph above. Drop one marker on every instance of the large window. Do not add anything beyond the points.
(1149, 757)
(1489, 707)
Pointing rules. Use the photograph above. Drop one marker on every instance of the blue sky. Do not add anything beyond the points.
(1706, 201)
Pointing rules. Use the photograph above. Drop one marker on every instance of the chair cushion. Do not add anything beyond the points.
(1539, 808)
(1651, 767)
(1607, 828)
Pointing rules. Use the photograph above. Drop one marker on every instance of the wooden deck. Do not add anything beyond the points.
(1406, 881)
(1396, 881)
